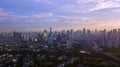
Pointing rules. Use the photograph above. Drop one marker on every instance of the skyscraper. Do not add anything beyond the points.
(50, 30)
(45, 35)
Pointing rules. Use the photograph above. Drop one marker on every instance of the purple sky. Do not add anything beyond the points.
(35, 15)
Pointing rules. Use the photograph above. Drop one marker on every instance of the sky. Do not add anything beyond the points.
(36, 15)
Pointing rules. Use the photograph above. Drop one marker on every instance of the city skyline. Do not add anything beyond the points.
(36, 15)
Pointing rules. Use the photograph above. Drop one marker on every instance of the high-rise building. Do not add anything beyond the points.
(45, 35)
(119, 37)
(50, 30)
(17, 36)
(84, 31)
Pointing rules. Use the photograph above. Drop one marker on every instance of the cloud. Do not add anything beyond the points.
(105, 4)
(45, 1)
(1, 9)
(46, 19)
(43, 15)
(116, 10)
(42, 19)
(50, 19)
(79, 20)
(84, 1)
(3, 15)
(86, 6)
(37, 0)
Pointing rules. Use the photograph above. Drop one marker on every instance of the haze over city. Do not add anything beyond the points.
(36, 15)
(59, 33)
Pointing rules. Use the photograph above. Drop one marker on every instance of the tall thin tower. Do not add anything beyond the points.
(50, 30)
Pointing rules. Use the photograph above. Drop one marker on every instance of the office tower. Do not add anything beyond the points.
(96, 31)
(45, 35)
(115, 37)
(26, 37)
(88, 32)
(50, 30)
(119, 37)
(17, 36)
(84, 31)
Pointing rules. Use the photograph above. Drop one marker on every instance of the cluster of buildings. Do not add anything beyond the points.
(56, 48)
(68, 38)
